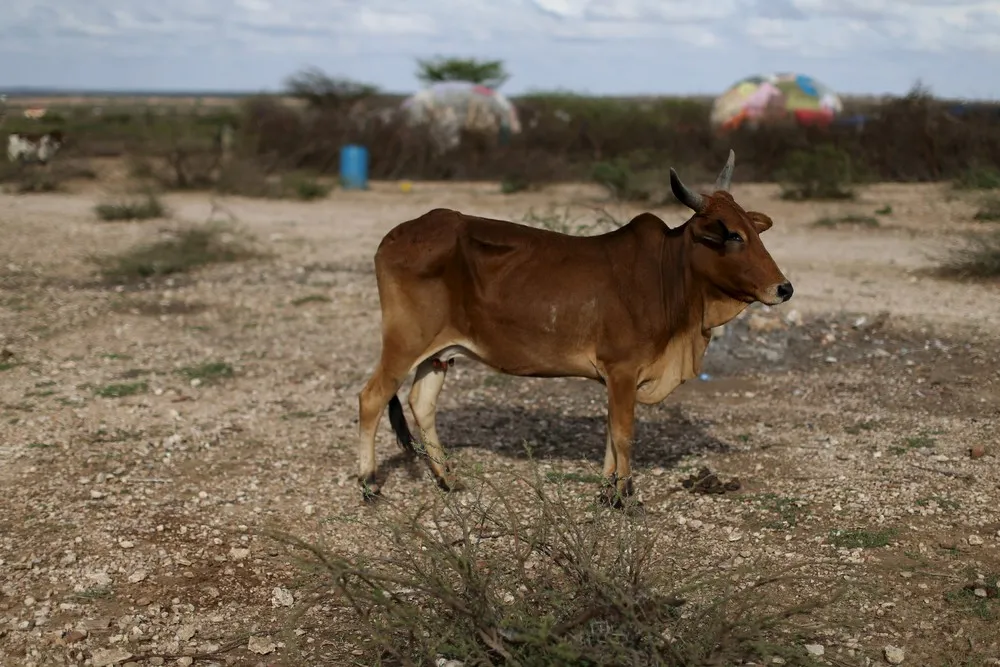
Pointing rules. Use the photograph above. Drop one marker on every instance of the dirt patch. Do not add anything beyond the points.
(148, 436)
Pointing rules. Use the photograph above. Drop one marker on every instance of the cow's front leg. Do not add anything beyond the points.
(621, 428)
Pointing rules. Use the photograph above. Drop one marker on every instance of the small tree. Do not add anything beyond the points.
(486, 72)
(320, 90)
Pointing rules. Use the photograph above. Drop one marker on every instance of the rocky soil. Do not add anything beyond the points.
(147, 436)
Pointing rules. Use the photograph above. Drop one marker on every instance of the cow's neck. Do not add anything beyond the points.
(684, 346)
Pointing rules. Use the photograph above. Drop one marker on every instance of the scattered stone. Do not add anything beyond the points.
(707, 481)
(156, 661)
(977, 451)
(111, 656)
(261, 645)
(97, 495)
(894, 655)
(143, 602)
(814, 649)
(445, 662)
(974, 540)
(126, 544)
(137, 576)
(762, 324)
(96, 624)
(980, 593)
(185, 632)
(74, 636)
(184, 661)
(281, 597)
(237, 553)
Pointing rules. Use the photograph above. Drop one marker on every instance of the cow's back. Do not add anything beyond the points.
(521, 295)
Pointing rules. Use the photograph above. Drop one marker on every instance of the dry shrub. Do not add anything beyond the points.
(977, 258)
(821, 173)
(515, 571)
(978, 177)
(989, 209)
(147, 207)
(182, 251)
(31, 178)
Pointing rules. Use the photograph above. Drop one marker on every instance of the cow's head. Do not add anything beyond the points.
(727, 250)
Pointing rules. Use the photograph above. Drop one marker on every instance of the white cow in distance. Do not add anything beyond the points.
(28, 147)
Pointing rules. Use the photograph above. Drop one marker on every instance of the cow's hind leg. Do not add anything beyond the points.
(427, 384)
(378, 392)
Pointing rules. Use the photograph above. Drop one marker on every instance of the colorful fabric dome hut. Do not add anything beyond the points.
(775, 97)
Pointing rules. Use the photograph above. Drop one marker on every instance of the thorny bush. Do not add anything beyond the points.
(519, 571)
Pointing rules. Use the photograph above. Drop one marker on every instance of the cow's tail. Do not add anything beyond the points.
(399, 426)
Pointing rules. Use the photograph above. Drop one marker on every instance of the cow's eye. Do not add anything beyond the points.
(734, 236)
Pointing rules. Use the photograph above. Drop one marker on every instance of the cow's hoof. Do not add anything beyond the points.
(611, 497)
(370, 492)
(450, 483)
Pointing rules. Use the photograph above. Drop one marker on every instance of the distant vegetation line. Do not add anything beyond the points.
(15, 92)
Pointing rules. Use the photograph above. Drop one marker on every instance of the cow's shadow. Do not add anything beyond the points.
(662, 436)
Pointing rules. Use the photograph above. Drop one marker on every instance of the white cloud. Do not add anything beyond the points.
(597, 44)
(395, 23)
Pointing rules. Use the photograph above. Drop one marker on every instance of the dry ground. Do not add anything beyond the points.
(125, 521)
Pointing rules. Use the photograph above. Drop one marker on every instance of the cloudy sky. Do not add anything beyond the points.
(595, 46)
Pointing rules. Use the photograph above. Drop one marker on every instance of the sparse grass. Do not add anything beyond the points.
(978, 258)
(514, 183)
(788, 510)
(120, 390)
(37, 181)
(211, 371)
(184, 251)
(298, 414)
(856, 429)
(851, 219)
(989, 209)
(824, 172)
(564, 223)
(7, 365)
(978, 177)
(909, 443)
(308, 189)
(147, 208)
(986, 608)
(588, 478)
(95, 593)
(861, 539)
(885, 210)
(619, 180)
(941, 501)
(921, 441)
(311, 298)
(486, 581)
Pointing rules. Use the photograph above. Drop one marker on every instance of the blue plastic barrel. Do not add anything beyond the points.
(354, 167)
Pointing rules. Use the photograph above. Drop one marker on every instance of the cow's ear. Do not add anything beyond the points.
(761, 222)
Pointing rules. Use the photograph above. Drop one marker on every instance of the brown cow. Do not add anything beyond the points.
(632, 309)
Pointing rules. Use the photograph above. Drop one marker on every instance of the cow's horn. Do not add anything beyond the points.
(725, 178)
(692, 200)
